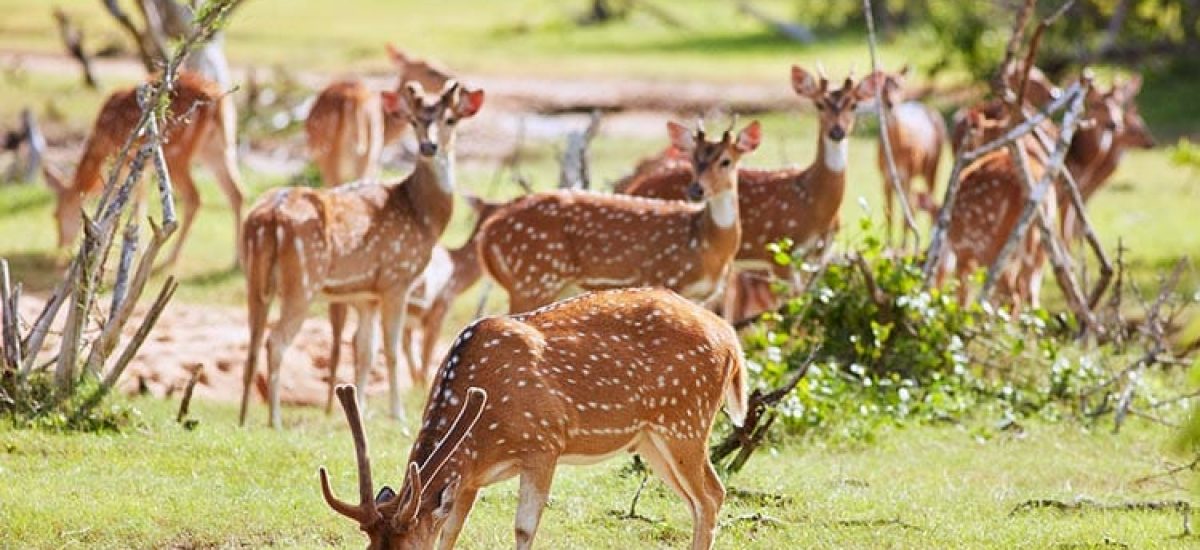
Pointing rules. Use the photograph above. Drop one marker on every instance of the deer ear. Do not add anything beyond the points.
(804, 83)
(749, 138)
(1133, 87)
(53, 179)
(873, 84)
(446, 499)
(398, 57)
(681, 138)
(469, 103)
(385, 495)
(393, 103)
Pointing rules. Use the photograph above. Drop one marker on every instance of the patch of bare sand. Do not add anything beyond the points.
(217, 338)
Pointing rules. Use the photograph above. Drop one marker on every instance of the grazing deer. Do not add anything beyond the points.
(448, 274)
(917, 135)
(348, 127)
(576, 382)
(363, 244)
(205, 129)
(541, 244)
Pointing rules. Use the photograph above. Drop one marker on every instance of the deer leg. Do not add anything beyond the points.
(291, 316)
(535, 489)
(337, 322)
(365, 337)
(395, 316)
(684, 466)
(186, 187)
(221, 159)
(429, 334)
(257, 310)
(456, 519)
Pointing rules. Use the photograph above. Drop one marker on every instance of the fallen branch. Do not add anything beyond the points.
(186, 402)
(72, 38)
(787, 29)
(1088, 505)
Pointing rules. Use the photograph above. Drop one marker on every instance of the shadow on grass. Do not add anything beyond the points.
(36, 271)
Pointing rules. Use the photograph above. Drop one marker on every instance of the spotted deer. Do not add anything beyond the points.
(347, 126)
(448, 274)
(797, 204)
(542, 244)
(917, 135)
(203, 128)
(1096, 150)
(362, 245)
(577, 382)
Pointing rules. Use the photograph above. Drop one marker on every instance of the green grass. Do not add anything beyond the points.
(523, 36)
(222, 486)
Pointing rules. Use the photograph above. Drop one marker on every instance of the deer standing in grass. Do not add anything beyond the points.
(542, 244)
(917, 135)
(203, 128)
(448, 274)
(576, 382)
(1096, 150)
(797, 204)
(347, 126)
(362, 245)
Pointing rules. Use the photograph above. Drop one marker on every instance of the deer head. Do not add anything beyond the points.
(714, 162)
(433, 114)
(1134, 132)
(412, 518)
(67, 205)
(835, 108)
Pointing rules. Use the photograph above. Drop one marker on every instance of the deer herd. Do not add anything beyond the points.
(639, 364)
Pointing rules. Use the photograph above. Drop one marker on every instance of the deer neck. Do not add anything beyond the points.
(826, 180)
(721, 225)
(430, 189)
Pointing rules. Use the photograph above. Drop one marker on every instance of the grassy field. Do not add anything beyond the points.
(523, 36)
(218, 486)
(915, 487)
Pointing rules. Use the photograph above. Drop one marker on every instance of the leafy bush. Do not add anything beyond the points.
(35, 405)
(889, 351)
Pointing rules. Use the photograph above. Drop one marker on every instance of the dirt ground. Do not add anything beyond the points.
(216, 338)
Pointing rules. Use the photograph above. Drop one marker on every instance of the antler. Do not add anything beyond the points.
(728, 136)
(699, 130)
(468, 416)
(821, 75)
(365, 512)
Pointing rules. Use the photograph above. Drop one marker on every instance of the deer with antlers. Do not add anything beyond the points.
(362, 244)
(347, 126)
(448, 274)
(576, 382)
(203, 128)
(917, 135)
(542, 244)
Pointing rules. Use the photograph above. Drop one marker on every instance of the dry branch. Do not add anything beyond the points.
(934, 255)
(573, 163)
(72, 38)
(760, 415)
(787, 29)
(186, 402)
(885, 141)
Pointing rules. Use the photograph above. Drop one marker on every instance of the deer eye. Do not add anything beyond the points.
(724, 163)
(451, 121)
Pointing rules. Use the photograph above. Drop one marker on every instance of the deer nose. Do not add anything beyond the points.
(428, 148)
(694, 191)
(837, 133)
